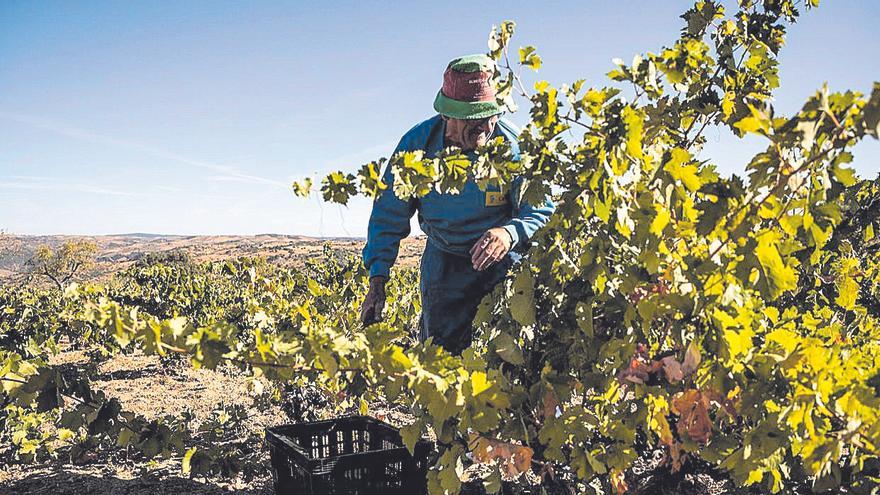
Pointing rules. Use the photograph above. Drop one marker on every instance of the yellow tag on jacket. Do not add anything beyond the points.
(496, 198)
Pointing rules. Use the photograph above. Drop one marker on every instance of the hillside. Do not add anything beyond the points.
(116, 252)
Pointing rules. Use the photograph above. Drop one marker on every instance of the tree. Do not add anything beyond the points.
(64, 263)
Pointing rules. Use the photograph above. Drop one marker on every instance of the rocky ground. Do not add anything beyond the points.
(146, 387)
(153, 389)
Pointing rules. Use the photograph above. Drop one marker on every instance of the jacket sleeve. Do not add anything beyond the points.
(527, 219)
(389, 223)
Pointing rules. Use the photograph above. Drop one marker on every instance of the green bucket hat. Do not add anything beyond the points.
(468, 91)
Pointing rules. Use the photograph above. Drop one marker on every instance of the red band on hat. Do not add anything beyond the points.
(468, 86)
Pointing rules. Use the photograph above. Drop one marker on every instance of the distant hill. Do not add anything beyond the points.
(144, 235)
(118, 251)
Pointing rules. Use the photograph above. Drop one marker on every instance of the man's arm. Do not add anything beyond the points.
(494, 245)
(389, 223)
(527, 219)
(374, 302)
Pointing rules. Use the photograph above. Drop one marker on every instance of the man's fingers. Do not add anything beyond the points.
(369, 306)
(487, 250)
(478, 250)
(476, 256)
(380, 305)
(366, 313)
(480, 244)
(477, 260)
(495, 254)
(486, 263)
(489, 256)
(372, 312)
(365, 307)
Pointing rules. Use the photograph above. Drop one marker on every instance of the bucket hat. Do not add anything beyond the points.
(468, 91)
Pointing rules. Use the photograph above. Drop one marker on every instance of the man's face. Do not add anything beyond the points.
(468, 134)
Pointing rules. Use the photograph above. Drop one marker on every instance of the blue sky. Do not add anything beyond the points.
(193, 117)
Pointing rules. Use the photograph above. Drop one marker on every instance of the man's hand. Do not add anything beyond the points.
(374, 303)
(490, 248)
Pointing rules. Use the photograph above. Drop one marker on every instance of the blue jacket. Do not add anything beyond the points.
(452, 222)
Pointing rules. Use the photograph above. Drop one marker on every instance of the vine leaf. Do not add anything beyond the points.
(513, 459)
(507, 348)
(692, 358)
(693, 408)
(779, 276)
(522, 302)
(187, 459)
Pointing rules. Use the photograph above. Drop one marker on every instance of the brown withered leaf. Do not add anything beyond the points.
(727, 405)
(548, 405)
(693, 409)
(618, 481)
(672, 369)
(692, 358)
(514, 459)
(637, 372)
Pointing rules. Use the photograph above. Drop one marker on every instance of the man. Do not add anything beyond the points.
(473, 236)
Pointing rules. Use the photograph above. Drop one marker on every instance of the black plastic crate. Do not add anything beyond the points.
(356, 455)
